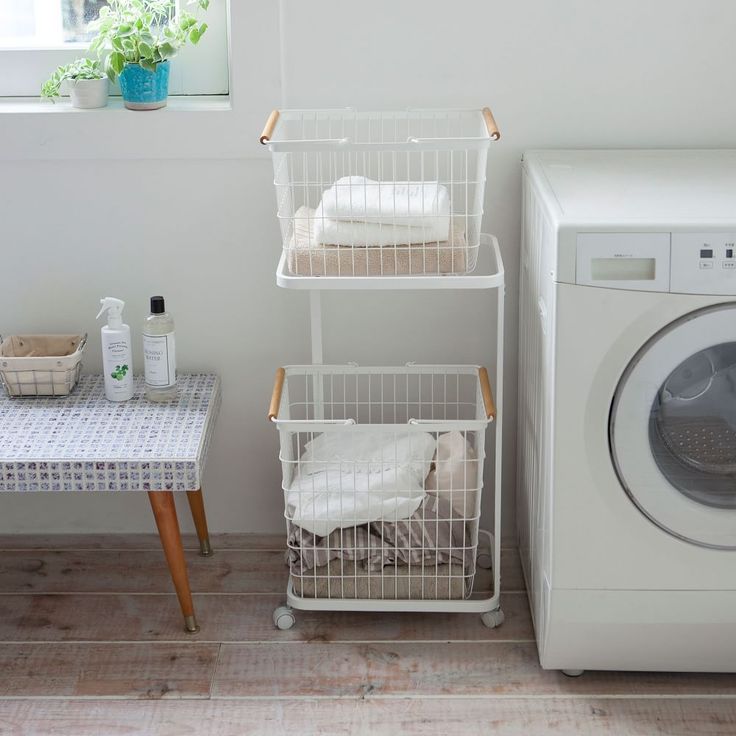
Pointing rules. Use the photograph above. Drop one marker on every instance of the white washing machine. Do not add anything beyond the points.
(627, 408)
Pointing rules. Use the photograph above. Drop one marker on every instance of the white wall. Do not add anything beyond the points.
(570, 73)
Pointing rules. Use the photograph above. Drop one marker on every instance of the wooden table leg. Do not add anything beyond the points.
(196, 504)
(164, 511)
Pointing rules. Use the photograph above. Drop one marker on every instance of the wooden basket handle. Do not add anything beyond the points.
(273, 118)
(485, 388)
(278, 385)
(493, 130)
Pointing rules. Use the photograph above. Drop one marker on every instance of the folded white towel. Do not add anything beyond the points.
(328, 231)
(405, 203)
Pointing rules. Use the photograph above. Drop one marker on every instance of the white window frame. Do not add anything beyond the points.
(196, 70)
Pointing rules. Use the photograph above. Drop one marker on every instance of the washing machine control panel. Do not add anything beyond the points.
(703, 263)
(684, 263)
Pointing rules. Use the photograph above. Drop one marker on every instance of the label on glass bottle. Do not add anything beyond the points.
(159, 354)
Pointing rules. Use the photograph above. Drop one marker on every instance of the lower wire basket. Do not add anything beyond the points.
(382, 479)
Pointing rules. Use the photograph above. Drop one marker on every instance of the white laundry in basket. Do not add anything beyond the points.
(376, 234)
(353, 477)
(357, 211)
(407, 203)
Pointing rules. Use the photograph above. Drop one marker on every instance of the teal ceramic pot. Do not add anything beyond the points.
(144, 90)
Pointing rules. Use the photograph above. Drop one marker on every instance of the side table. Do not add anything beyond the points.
(84, 443)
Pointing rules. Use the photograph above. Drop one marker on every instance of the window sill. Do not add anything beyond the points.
(198, 103)
(193, 127)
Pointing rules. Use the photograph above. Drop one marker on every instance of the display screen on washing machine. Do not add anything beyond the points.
(623, 269)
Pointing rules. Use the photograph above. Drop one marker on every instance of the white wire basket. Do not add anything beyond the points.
(41, 365)
(382, 474)
(380, 193)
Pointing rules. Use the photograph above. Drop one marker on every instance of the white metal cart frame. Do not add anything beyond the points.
(488, 274)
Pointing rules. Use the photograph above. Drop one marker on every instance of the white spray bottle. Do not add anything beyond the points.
(117, 355)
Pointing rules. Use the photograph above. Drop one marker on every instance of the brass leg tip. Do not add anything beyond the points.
(205, 549)
(190, 625)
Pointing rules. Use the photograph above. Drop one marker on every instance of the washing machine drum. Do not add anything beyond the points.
(673, 428)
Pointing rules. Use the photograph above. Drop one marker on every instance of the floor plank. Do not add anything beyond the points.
(136, 571)
(136, 541)
(235, 618)
(145, 571)
(245, 541)
(410, 669)
(502, 717)
(113, 670)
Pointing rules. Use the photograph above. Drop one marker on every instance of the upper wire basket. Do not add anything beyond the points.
(380, 193)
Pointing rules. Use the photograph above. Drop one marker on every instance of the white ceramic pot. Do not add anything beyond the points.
(87, 94)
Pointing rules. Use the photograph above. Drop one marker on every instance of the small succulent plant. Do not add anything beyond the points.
(78, 69)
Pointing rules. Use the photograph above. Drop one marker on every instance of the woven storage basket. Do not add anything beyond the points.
(41, 365)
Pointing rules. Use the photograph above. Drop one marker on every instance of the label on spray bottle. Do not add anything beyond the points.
(117, 364)
(159, 353)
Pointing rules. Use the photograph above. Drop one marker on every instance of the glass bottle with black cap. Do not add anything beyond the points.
(159, 352)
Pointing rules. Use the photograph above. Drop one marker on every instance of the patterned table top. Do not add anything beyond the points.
(83, 442)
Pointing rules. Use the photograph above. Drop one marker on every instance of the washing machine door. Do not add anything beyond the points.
(673, 428)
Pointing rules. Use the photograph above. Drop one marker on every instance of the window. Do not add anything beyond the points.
(43, 24)
(36, 36)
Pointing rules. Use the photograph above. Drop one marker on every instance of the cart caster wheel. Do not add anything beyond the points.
(484, 560)
(572, 673)
(492, 619)
(283, 618)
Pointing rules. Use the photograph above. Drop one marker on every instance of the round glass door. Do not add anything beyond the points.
(673, 428)
(693, 427)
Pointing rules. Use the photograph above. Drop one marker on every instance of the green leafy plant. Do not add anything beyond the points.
(78, 69)
(144, 32)
(119, 373)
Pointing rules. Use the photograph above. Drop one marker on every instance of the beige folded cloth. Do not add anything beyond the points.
(346, 579)
(307, 257)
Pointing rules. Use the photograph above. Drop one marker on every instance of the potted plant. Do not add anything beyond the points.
(137, 38)
(85, 80)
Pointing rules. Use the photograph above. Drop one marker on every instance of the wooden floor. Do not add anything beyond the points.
(91, 644)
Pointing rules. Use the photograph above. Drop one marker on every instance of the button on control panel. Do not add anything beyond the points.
(703, 263)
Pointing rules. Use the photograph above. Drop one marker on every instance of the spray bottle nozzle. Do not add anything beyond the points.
(114, 309)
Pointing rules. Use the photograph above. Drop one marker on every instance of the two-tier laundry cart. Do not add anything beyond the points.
(382, 467)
